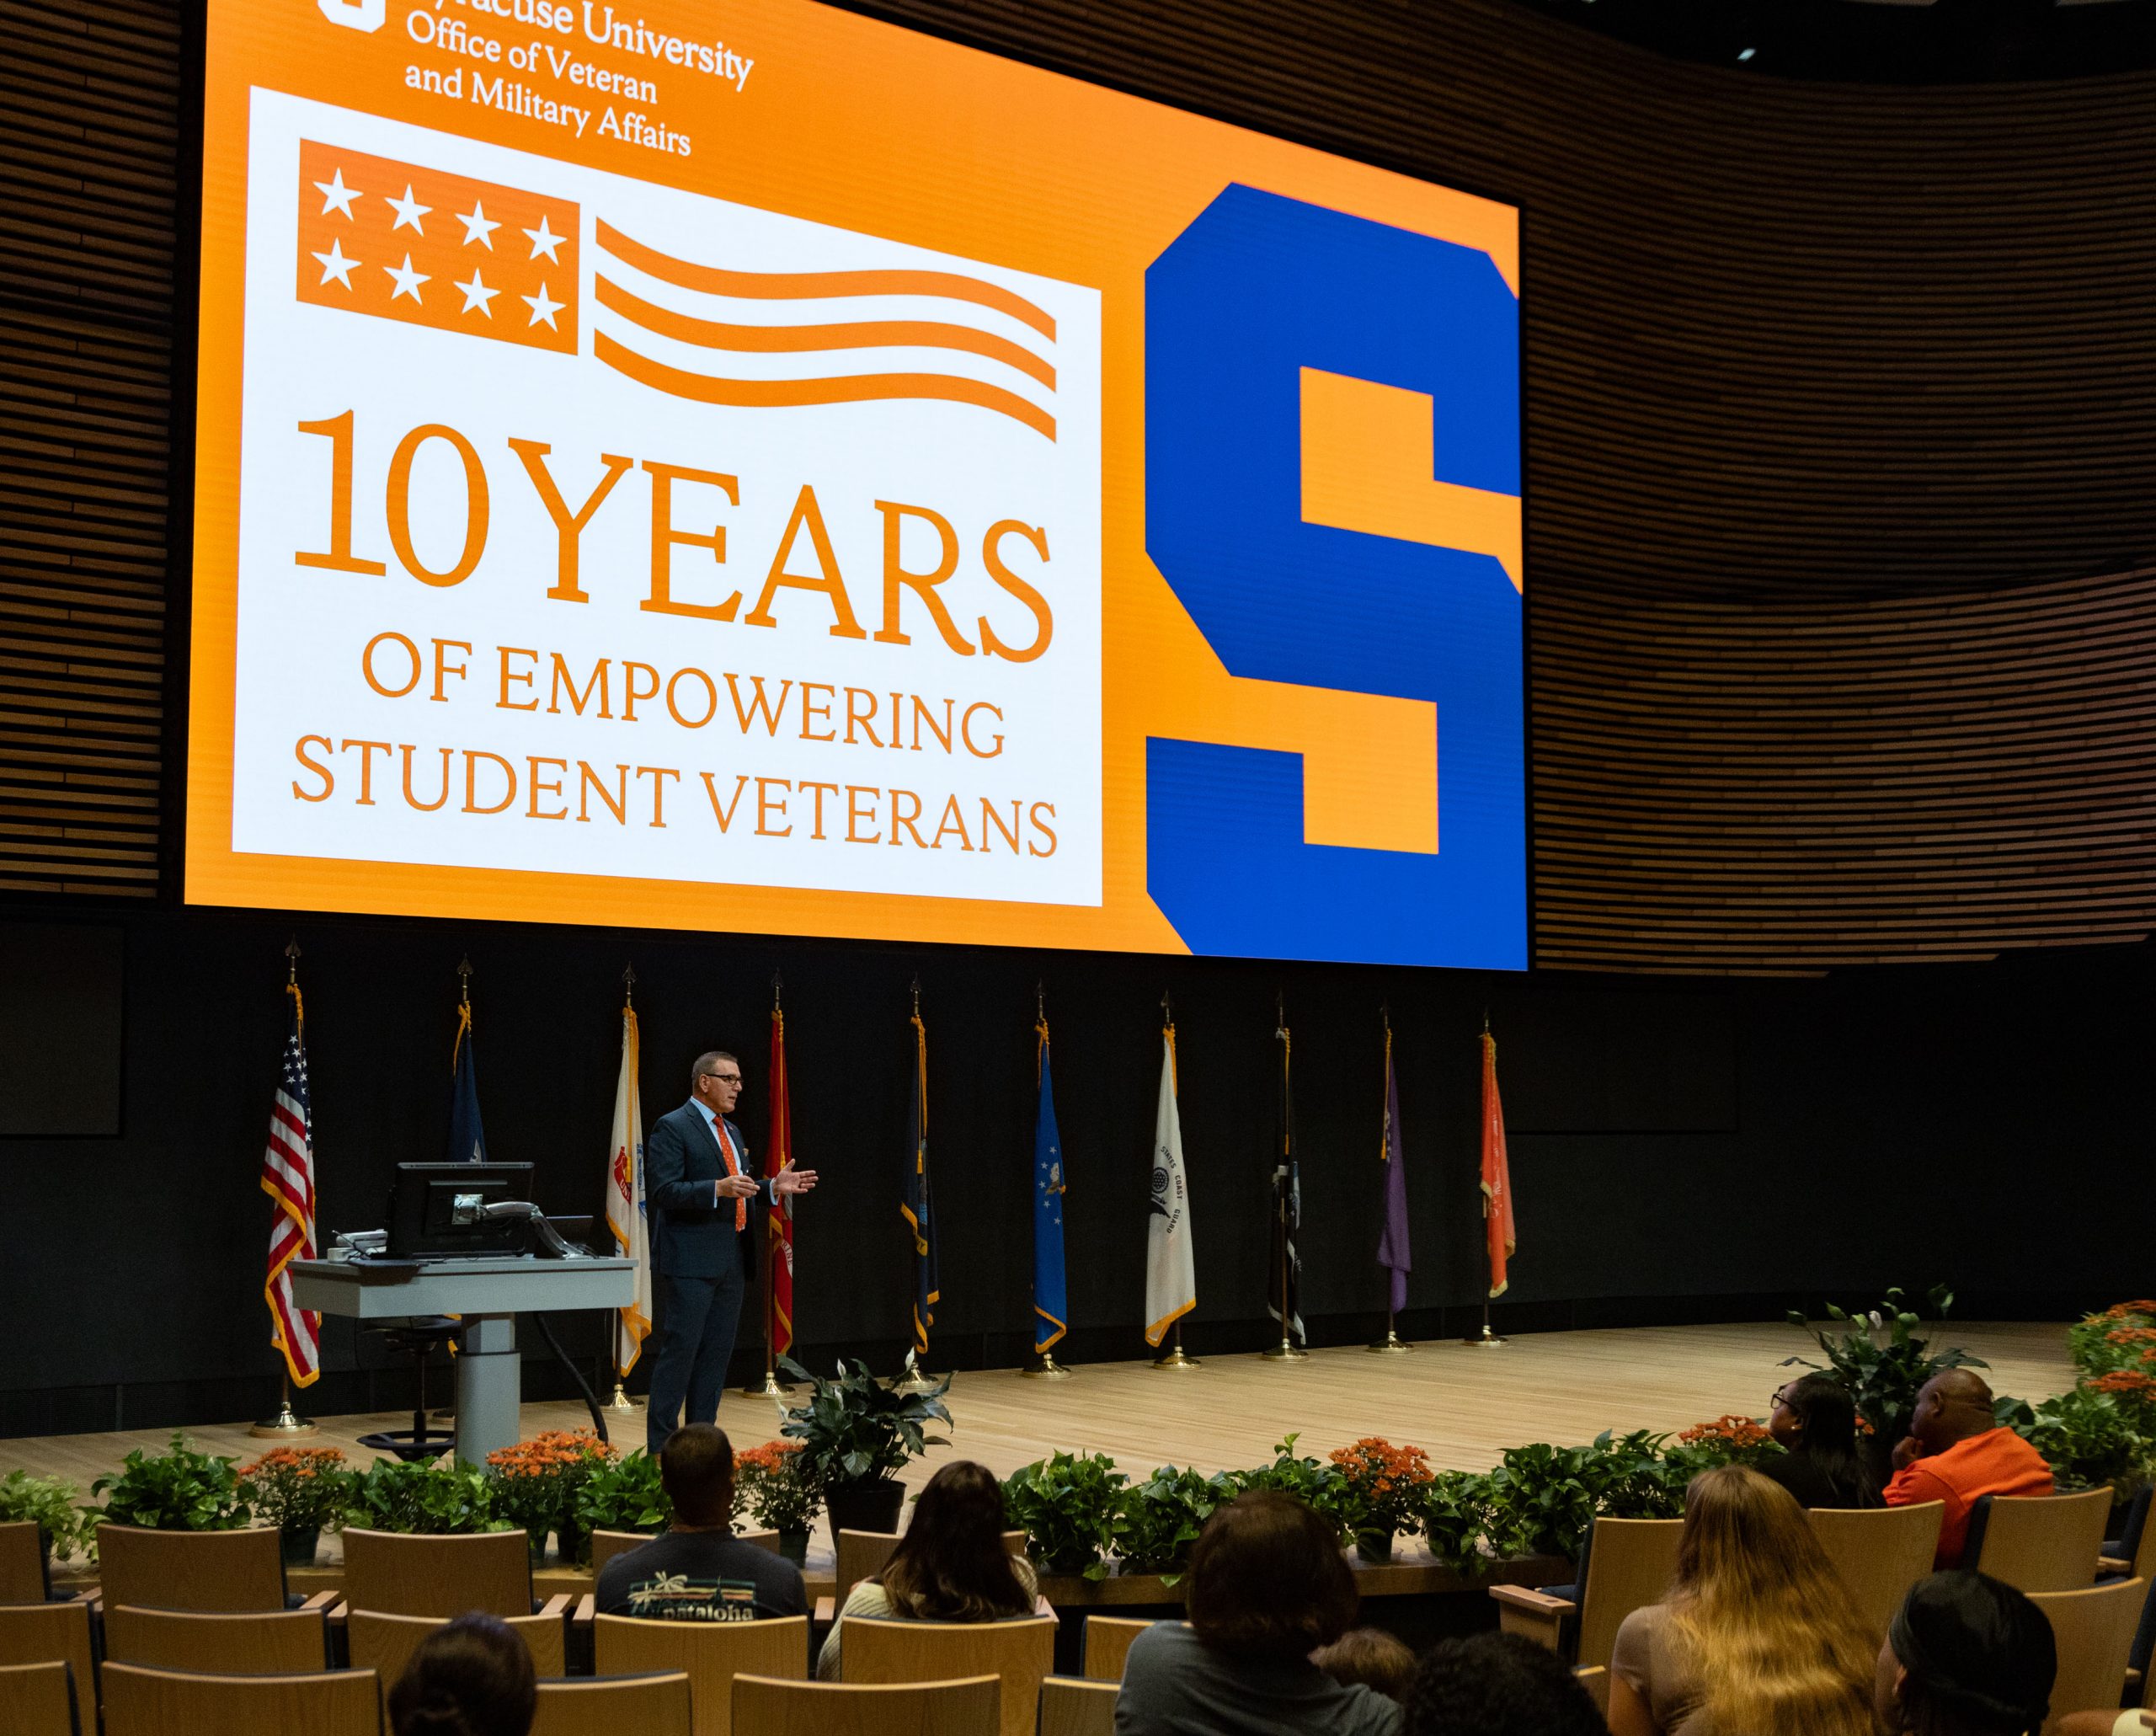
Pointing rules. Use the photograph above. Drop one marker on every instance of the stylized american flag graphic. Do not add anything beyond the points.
(990, 346)
(288, 1179)
(403, 242)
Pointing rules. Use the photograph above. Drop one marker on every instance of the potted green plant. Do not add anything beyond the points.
(426, 1499)
(1066, 1505)
(1322, 1486)
(535, 1484)
(770, 1483)
(2089, 1436)
(1384, 1483)
(49, 1503)
(855, 1431)
(623, 1494)
(1158, 1518)
(302, 1491)
(1884, 1362)
(177, 1490)
(1456, 1514)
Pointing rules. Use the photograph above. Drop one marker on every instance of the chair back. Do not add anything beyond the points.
(1596, 1681)
(609, 1705)
(142, 1701)
(1880, 1552)
(761, 1539)
(2094, 1631)
(2138, 1537)
(251, 1642)
(1108, 1643)
(441, 1576)
(2039, 1542)
(384, 1643)
(710, 1653)
(1072, 1706)
(52, 1633)
(1014, 1542)
(38, 1700)
(606, 1545)
(862, 1556)
(1021, 1653)
(190, 1570)
(1629, 1565)
(22, 1578)
(971, 1708)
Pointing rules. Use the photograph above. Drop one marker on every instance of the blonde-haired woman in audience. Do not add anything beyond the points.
(1758, 1636)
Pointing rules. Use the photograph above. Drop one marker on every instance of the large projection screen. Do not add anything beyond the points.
(762, 469)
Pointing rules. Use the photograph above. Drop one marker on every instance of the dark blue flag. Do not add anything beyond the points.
(467, 1142)
(1049, 1310)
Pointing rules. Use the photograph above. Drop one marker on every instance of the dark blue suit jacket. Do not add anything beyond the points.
(688, 1236)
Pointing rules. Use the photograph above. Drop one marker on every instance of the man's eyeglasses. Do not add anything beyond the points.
(725, 1078)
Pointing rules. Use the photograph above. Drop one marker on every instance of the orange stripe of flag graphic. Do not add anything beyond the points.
(401, 241)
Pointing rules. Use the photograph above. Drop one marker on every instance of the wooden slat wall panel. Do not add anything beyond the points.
(89, 100)
(1835, 399)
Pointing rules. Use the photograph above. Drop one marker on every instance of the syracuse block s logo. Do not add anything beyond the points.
(355, 14)
(1332, 478)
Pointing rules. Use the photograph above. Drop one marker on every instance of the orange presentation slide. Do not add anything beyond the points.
(759, 469)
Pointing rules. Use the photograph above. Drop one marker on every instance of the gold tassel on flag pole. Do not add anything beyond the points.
(287, 1424)
(621, 1401)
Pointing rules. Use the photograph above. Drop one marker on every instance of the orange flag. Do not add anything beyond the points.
(1496, 1172)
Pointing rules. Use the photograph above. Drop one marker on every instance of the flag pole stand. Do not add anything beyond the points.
(1046, 1369)
(1391, 1344)
(621, 1401)
(287, 1424)
(1486, 1339)
(1174, 1358)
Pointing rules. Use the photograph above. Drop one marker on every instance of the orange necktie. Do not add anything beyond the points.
(733, 1167)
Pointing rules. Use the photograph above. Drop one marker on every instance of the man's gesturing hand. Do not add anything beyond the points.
(791, 1180)
(737, 1186)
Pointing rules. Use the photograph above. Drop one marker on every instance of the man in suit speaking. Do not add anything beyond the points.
(698, 1183)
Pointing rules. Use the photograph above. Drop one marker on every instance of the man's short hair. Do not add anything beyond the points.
(706, 1061)
(1371, 1657)
(1498, 1684)
(1268, 1579)
(696, 1468)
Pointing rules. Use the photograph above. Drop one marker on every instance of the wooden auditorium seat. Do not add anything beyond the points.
(142, 1701)
(1624, 1565)
(245, 1642)
(1108, 1643)
(710, 1654)
(39, 1700)
(2093, 1630)
(52, 1633)
(384, 1643)
(971, 1707)
(1020, 1653)
(1880, 1552)
(2131, 1554)
(606, 1545)
(2039, 1542)
(612, 1706)
(190, 1570)
(1072, 1705)
(22, 1563)
(862, 1556)
(395, 1574)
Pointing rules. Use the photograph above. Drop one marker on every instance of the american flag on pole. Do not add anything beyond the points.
(288, 1179)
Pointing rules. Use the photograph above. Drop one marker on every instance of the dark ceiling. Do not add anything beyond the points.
(1883, 42)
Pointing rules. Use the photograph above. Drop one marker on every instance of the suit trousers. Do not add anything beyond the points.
(697, 1320)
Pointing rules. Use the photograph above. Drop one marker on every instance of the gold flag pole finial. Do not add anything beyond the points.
(1040, 1001)
(464, 980)
(1167, 1009)
(777, 982)
(293, 959)
(628, 985)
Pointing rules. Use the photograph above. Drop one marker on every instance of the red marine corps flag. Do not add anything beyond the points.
(288, 1179)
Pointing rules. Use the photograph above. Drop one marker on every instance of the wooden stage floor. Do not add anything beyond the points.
(1461, 1406)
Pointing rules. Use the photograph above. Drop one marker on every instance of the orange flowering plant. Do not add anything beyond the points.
(298, 1488)
(1385, 1485)
(536, 1481)
(1727, 1440)
(2123, 1336)
(768, 1481)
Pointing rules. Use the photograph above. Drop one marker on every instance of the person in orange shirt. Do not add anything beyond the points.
(1954, 1452)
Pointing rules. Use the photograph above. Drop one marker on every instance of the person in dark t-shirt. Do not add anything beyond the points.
(697, 1570)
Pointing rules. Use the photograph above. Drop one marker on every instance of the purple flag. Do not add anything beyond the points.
(1392, 1244)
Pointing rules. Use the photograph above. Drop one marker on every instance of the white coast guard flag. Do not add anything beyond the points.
(625, 1215)
(1171, 1277)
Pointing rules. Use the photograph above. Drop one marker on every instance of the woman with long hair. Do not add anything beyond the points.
(951, 1565)
(1758, 1636)
(1968, 1656)
(1816, 1423)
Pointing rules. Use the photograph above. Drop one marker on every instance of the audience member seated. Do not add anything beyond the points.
(1815, 1421)
(1371, 1656)
(1758, 1636)
(1267, 1586)
(951, 1566)
(1955, 1453)
(697, 1570)
(1967, 1656)
(1498, 1685)
(472, 1678)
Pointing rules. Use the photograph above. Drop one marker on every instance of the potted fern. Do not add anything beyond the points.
(856, 1432)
